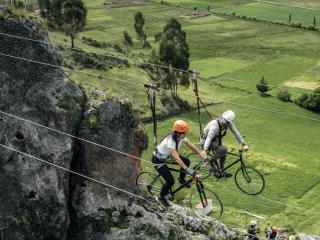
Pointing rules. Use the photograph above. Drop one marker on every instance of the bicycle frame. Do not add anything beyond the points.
(235, 162)
(197, 167)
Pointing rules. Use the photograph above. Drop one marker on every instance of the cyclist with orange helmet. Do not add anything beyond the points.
(168, 148)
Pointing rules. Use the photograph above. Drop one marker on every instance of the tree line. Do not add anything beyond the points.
(69, 16)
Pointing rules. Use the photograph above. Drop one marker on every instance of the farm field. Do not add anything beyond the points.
(232, 56)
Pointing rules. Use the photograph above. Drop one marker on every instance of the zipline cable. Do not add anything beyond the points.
(185, 94)
(73, 172)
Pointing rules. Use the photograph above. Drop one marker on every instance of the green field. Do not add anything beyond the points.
(284, 148)
(301, 11)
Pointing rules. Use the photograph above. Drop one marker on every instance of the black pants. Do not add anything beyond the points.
(167, 176)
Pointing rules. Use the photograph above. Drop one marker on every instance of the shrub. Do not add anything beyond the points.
(183, 104)
(92, 122)
(284, 95)
(146, 44)
(117, 48)
(67, 102)
(127, 39)
(157, 36)
(88, 60)
(310, 101)
(95, 43)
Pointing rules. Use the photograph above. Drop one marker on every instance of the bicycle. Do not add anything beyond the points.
(248, 179)
(204, 203)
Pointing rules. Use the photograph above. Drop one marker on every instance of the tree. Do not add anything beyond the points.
(138, 24)
(74, 18)
(263, 86)
(56, 12)
(290, 18)
(145, 43)
(127, 39)
(44, 6)
(174, 53)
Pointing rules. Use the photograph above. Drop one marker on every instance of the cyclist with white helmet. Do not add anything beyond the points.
(167, 149)
(211, 138)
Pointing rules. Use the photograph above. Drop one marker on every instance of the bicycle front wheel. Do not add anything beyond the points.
(194, 160)
(206, 204)
(148, 184)
(249, 180)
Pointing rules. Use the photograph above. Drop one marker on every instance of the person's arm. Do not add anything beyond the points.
(238, 136)
(175, 156)
(212, 132)
(193, 148)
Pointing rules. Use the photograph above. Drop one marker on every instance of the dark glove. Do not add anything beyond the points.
(191, 172)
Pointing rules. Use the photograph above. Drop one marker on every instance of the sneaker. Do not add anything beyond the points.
(182, 181)
(227, 175)
(163, 201)
(217, 174)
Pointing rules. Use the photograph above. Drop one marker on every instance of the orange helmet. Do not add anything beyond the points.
(180, 126)
(274, 229)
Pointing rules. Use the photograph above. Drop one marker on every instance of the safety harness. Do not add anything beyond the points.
(151, 93)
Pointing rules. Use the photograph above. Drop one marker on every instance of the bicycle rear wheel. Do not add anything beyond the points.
(194, 160)
(149, 184)
(249, 180)
(206, 204)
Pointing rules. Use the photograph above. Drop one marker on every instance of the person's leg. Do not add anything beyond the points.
(221, 154)
(182, 172)
(167, 176)
(169, 180)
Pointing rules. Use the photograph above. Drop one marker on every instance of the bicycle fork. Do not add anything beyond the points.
(244, 172)
(202, 193)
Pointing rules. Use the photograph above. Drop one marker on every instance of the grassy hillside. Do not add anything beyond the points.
(284, 148)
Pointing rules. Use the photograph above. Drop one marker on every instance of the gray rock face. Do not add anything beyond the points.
(103, 214)
(115, 124)
(34, 196)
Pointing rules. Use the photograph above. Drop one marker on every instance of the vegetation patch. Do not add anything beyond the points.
(68, 102)
(92, 122)
(152, 230)
(94, 43)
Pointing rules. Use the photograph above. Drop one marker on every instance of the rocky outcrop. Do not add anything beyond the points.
(115, 124)
(34, 196)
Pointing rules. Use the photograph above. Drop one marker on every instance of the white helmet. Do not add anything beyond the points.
(229, 116)
(253, 223)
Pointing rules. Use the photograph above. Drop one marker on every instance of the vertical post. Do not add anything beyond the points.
(151, 92)
(195, 75)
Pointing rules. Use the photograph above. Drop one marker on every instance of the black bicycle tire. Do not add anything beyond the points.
(259, 173)
(140, 190)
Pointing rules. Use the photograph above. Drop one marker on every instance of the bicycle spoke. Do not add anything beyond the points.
(249, 180)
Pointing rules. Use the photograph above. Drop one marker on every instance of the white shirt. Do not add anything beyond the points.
(166, 145)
